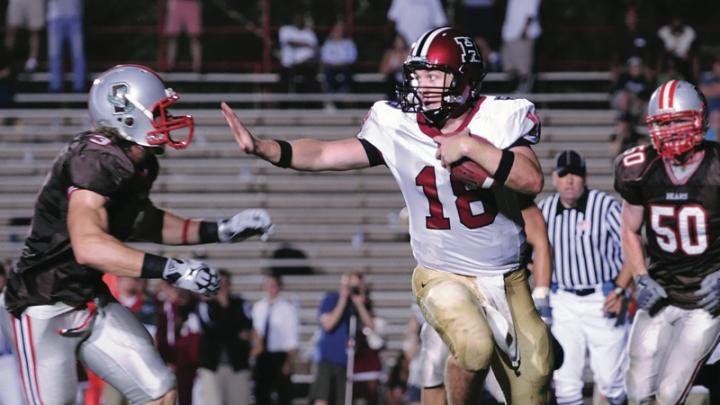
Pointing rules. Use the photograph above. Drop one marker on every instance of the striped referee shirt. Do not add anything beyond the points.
(586, 239)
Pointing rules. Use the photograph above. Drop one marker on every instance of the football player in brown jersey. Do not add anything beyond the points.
(672, 189)
(95, 198)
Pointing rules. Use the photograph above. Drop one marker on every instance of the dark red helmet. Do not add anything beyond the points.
(453, 52)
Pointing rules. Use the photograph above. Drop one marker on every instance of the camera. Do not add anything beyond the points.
(355, 290)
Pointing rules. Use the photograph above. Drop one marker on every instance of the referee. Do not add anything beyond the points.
(587, 294)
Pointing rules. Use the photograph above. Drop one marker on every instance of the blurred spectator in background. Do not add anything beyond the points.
(298, 55)
(65, 23)
(178, 336)
(479, 21)
(411, 354)
(299, 267)
(277, 328)
(625, 136)
(633, 39)
(28, 14)
(335, 311)
(367, 368)
(337, 55)
(7, 83)
(713, 133)
(678, 40)
(519, 32)
(391, 65)
(223, 376)
(10, 384)
(710, 85)
(133, 294)
(184, 16)
(397, 382)
(413, 17)
(633, 88)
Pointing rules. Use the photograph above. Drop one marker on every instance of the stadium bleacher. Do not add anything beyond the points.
(343, 221)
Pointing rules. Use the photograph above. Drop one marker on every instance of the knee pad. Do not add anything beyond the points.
(474, 354)
(458, 317)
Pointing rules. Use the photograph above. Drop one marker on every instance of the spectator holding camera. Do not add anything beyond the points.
(335, 312)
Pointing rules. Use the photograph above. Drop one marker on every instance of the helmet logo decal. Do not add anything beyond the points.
(469, 52)
(117, 99)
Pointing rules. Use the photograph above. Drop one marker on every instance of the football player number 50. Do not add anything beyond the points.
(689, 233)
(437, 219)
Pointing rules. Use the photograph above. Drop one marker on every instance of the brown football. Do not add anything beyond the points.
(470, 172)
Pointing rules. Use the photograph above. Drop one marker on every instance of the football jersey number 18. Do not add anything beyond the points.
(437, 219)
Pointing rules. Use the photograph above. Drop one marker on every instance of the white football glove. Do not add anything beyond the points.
(648, 292)
(245, 224)
(709, 293)
(541, 300)
(192, 275)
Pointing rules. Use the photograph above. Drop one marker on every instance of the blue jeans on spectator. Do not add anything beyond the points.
(338, 79)
(59, 30)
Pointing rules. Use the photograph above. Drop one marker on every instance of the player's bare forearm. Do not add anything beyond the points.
(536, 231)
(624, 278)
(91, 244)
(633, 251)
(314, 155)
(525, 174)
(174, 230)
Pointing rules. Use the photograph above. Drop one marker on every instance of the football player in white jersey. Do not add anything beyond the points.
(467, 241)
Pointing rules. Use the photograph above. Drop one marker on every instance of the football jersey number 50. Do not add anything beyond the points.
(689, 232)
(437, 219)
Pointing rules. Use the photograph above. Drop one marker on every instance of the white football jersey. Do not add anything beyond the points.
(453, 228)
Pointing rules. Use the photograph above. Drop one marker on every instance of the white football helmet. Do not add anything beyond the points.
(133, 99)
(677, 118)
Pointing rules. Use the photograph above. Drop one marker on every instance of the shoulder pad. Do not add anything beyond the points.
(634, 163)
(97, 164)
(631, 168)
(514, 121)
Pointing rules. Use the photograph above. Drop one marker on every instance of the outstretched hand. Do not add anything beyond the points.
(243, 137)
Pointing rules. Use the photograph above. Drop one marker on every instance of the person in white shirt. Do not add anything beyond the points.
(298, 54)
(519, 32)
(413, 17)
(467, 239)
(276, 328)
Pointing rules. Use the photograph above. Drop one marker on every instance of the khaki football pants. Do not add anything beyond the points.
(451, 303)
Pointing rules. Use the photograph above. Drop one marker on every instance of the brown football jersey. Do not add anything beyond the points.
(47, 271)
(681, 216)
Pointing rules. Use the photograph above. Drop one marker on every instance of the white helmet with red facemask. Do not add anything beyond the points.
(133, 99)
(454, 53)
(677, 118)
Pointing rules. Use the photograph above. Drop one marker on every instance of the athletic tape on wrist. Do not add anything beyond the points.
(153, 266)
(285, 154)
(503, 170)
(208, 232)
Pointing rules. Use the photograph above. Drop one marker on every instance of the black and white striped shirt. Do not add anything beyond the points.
(585, 239)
